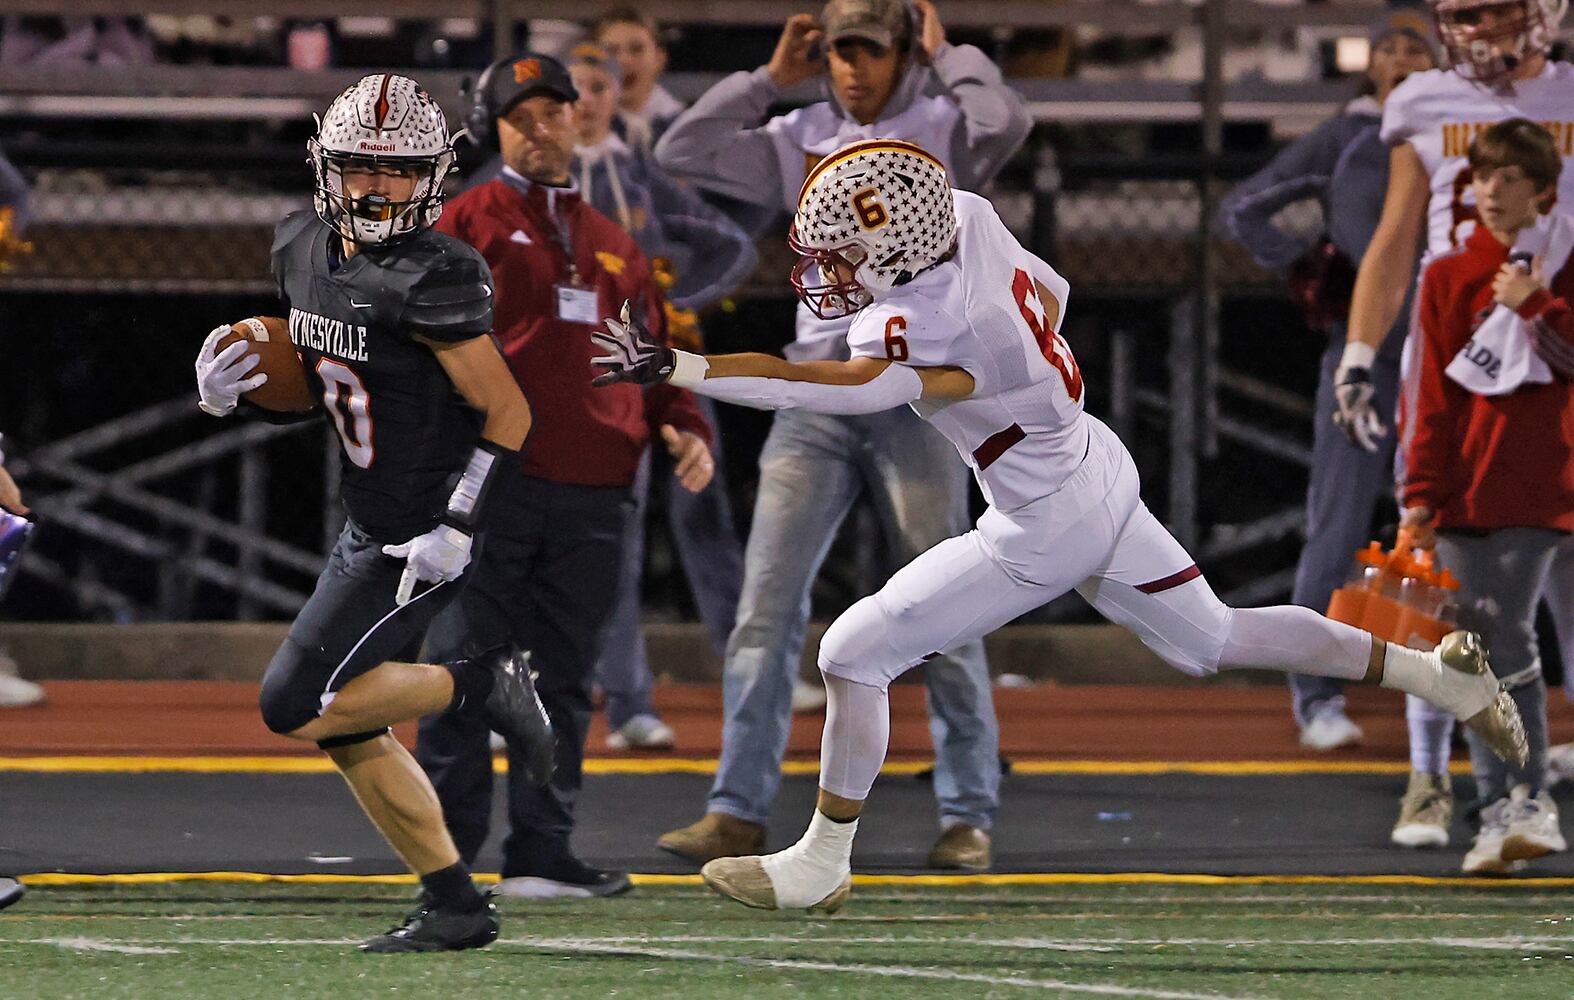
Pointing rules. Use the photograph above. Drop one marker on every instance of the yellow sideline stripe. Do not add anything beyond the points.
(707, 766)
(1022, 878)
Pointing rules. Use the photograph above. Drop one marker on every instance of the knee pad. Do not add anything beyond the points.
(857, 646)
(350, 739)
(292, 688)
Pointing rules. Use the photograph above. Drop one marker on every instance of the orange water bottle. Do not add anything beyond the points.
(1348, 603)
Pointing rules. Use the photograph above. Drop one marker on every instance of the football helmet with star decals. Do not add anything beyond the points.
(382, 122)
(1487, 40)
(870, 216)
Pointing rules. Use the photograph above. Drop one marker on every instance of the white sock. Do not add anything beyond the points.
(1431, 729)
(856, 736)
(1423, 675)
(811, 869)
(1296, 640)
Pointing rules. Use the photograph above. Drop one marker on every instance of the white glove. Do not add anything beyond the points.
(1355, 411)
(439, 556)
(221, 377)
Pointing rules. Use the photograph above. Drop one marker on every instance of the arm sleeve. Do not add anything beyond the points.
(894, 386)
(452, 301)
(718, 144)
(995, 121)
(1439, 404)
(1551, 323)
(720, 255)
(1300, 171)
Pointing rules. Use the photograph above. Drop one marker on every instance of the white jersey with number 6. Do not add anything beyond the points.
(994, 310)
(1440, 112)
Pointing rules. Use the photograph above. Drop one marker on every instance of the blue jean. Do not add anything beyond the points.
(812, 469)
(1347, 481)
(707, 544)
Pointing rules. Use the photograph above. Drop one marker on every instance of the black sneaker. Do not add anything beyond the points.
(514, 710)
(432, 929)
(10, 891)
(564, 877)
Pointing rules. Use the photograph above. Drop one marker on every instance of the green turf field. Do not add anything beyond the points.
(194, 939)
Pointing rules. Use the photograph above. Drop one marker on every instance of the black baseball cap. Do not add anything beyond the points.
(526, 75)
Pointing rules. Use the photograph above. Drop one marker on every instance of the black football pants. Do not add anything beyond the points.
(547, 582)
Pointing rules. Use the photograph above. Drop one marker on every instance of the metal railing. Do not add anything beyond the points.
(171, 538)
(1118, 230)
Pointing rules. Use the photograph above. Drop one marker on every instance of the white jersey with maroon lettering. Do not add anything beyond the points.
(1439, 112)
(993, 309)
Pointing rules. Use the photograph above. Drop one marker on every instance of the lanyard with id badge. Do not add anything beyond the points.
(575, 302)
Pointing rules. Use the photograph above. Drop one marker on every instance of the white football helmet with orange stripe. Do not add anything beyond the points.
(383, 120)
(870, 216)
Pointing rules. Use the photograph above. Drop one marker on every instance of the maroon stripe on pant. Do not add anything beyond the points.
(1170, 582)
(998, 444)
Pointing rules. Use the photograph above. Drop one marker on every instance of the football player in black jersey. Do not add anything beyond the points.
(392, 320)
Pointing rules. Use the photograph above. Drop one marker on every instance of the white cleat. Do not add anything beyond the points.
(1468, 688)
(806, 697)
(1425, 812)
(1560, 764)
(642, 732)
(746, 881)
(1329, 729)
(14, 691)
(1485, 856)
(1532, 827)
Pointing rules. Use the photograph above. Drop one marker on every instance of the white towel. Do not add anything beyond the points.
(1499, 357)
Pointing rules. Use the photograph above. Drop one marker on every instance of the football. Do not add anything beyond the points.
(286, 389)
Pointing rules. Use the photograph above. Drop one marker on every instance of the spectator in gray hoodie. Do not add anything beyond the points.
(891, 74)
(1344, 164)
(698, 255)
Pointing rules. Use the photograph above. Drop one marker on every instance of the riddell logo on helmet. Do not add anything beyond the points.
(376, 147)
(526, 69)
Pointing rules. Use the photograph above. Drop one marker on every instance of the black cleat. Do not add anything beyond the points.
(432, 929)
(514, 710)
(10, 891)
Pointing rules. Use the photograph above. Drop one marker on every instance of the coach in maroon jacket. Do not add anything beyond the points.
(560, 268)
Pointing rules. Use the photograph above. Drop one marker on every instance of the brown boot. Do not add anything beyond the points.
(963, 847)
(718, 835)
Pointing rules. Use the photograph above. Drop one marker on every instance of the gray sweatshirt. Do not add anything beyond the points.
(1344, 164)
(959, 109)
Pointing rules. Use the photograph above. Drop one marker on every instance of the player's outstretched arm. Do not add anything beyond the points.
(1390, 260)
(482, 377)
(766, 382)
(1380, 286)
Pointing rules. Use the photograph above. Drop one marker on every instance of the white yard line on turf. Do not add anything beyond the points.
(1510, 942)
(94, 944)
(888, 971)
(579, 946)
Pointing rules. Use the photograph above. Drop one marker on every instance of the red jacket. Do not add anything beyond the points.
(579, 434)
(1488, 462)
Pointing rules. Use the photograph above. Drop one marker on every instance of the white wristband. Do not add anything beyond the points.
(1357, 355)
(688, 370)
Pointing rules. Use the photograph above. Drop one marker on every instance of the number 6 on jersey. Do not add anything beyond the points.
(1035, 300)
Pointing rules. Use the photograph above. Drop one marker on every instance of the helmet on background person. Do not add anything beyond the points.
(871, 215)
(1489, 53)
(382, 121)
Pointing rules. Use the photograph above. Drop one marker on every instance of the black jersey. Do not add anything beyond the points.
(405, 430)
